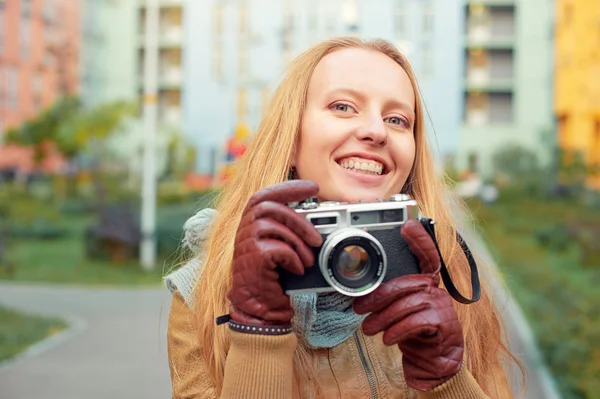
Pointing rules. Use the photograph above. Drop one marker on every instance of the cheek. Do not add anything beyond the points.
(317, 140)
(404, 154)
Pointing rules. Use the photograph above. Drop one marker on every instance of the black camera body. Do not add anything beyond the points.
(362, 246)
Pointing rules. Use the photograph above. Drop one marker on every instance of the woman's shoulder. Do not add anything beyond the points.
(184, 279)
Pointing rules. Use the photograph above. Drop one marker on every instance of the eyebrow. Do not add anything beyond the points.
(361, 96)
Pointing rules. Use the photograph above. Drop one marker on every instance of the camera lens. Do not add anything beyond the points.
(352, 261)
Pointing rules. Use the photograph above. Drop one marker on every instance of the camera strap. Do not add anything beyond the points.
(429, 226)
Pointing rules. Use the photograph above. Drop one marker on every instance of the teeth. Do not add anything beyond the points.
(369, 167)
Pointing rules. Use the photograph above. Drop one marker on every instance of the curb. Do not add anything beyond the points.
(75, 327)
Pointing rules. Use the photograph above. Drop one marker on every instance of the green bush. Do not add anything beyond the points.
(38, 229)
(78, 206)
(547, 256)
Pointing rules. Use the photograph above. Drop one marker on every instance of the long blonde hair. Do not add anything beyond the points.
(267, 161)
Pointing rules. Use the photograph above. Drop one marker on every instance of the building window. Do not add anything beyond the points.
(25, 37)
(596, 145)
(428, 60)
(2, 90)
(428, 20)
(218, 46)
(1, 27)
(350, 16)
(13, 88)
(400, 20)
(25, 8)
(37, 91)
(501, 108)
(473, 161)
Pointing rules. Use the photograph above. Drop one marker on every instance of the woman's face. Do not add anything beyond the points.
(356, 139)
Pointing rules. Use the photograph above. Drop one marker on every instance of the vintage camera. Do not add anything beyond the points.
(362, 246)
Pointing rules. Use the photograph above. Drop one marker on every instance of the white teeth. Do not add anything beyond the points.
(371, 167)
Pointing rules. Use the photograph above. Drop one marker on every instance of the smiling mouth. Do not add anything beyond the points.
(366, 166)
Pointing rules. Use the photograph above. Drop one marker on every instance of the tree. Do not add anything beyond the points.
(70, 126)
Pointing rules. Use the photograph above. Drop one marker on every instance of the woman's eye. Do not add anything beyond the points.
(394, 120)
(342, 107)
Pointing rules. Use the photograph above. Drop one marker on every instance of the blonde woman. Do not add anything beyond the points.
(343, 105)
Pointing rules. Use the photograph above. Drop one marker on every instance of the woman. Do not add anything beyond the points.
(346, 124)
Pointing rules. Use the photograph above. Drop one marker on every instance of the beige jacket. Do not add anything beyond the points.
(261, 366)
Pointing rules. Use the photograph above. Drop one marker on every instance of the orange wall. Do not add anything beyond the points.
(51, 67)
(577, 81)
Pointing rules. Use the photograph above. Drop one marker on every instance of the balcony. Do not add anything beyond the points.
(492, 3)
(171, 115)
(170, 26)
(490, 26)
(171, 35)
(490, 70)
(480, 80)
(163, 3)
(483, 109)
(171, 76)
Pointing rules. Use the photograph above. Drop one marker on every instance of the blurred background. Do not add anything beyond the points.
(121, 118)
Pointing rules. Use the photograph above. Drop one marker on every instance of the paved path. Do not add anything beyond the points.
(114, 349)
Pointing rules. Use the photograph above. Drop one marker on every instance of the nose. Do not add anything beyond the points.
(374, 131)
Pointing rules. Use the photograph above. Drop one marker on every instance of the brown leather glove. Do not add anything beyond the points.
(270, 234)
(416, 314)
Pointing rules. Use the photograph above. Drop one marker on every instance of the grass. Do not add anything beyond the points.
(63, 260)
(556, 288)
(18, 331)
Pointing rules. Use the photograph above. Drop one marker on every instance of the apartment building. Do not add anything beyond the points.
(577, 79)
(237, 52)
(508, 80)
(39, 61)
(170, 68)
(39, 55)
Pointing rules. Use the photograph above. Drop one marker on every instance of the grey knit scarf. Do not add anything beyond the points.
(320, 320)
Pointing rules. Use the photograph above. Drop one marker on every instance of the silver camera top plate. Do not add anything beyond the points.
(330, 216)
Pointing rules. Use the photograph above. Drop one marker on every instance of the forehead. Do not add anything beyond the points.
(370, 72)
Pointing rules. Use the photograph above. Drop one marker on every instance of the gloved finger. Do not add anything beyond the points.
(440, 316)
(284, 192)
(396, 312)
(421, 244)
(269, 228)
(281, 254)
(389, 292)
(422, 366)
(417, 324)
(286, 216)
(264, 286)
(251, 253)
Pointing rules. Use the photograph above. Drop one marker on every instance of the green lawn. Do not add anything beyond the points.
(63, 260)
(18, 331)
(556, 284)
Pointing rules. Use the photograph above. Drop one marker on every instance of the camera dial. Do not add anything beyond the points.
(400, 197)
